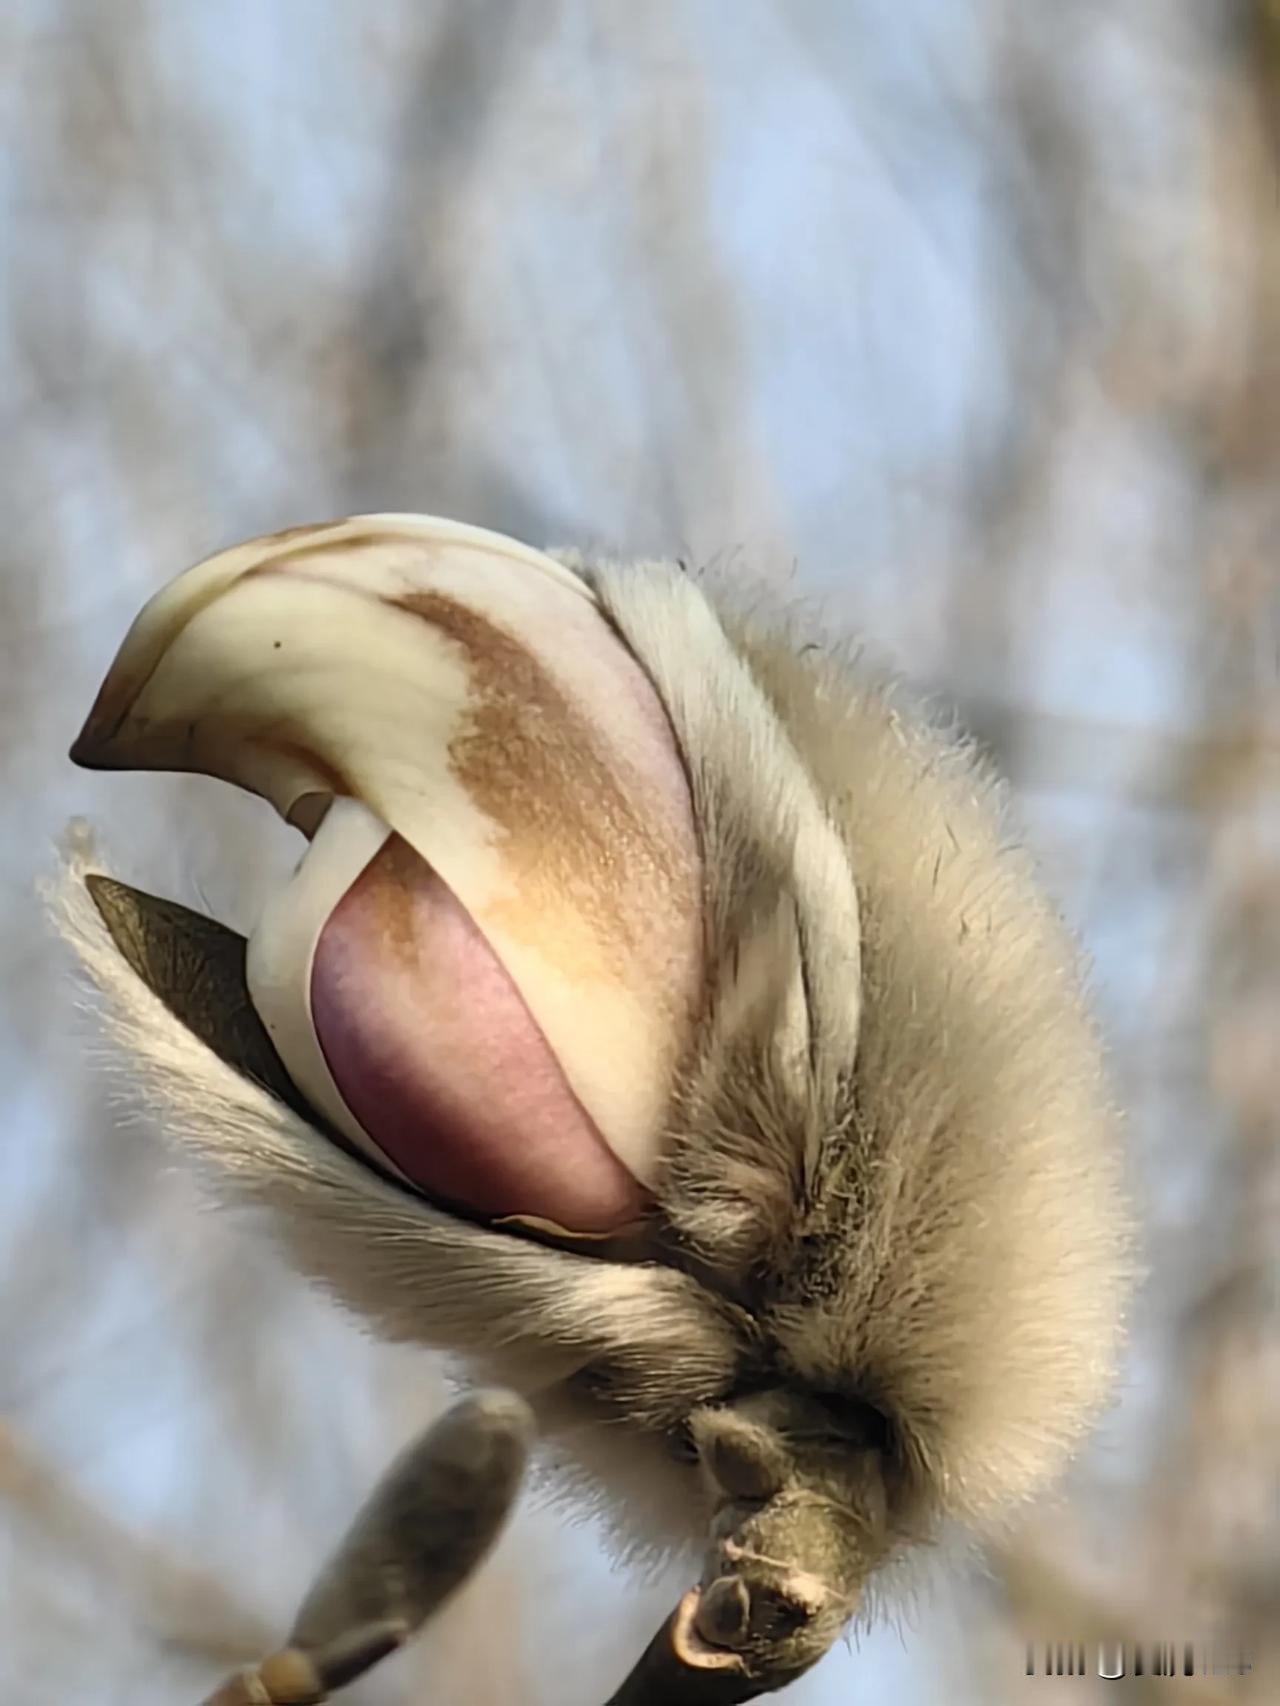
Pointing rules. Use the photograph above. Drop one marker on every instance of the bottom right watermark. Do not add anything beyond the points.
(1116, 1659)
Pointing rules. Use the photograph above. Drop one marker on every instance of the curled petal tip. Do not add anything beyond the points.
(83, 750)
(91, 749)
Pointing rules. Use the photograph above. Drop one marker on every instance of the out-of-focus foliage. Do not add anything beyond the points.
(963, 314)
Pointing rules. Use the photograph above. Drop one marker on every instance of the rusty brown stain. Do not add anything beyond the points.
(536, 767)
(394, 872)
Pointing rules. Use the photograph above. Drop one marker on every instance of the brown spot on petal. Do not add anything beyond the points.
(387, 900)
(579, 826)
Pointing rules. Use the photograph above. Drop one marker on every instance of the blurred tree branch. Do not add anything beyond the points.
(181, 1605)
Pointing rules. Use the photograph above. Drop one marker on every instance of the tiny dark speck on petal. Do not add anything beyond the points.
(276, 645)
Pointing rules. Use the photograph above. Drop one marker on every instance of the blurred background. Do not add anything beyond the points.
(960, 315)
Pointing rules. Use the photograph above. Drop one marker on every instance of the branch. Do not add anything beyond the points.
(184, 1605)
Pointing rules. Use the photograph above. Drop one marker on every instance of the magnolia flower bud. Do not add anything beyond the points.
(484, 970)
(623, 898)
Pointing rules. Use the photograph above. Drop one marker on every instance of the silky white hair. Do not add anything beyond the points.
(892, 1164)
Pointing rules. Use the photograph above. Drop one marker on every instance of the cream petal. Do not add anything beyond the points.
(282, 950)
